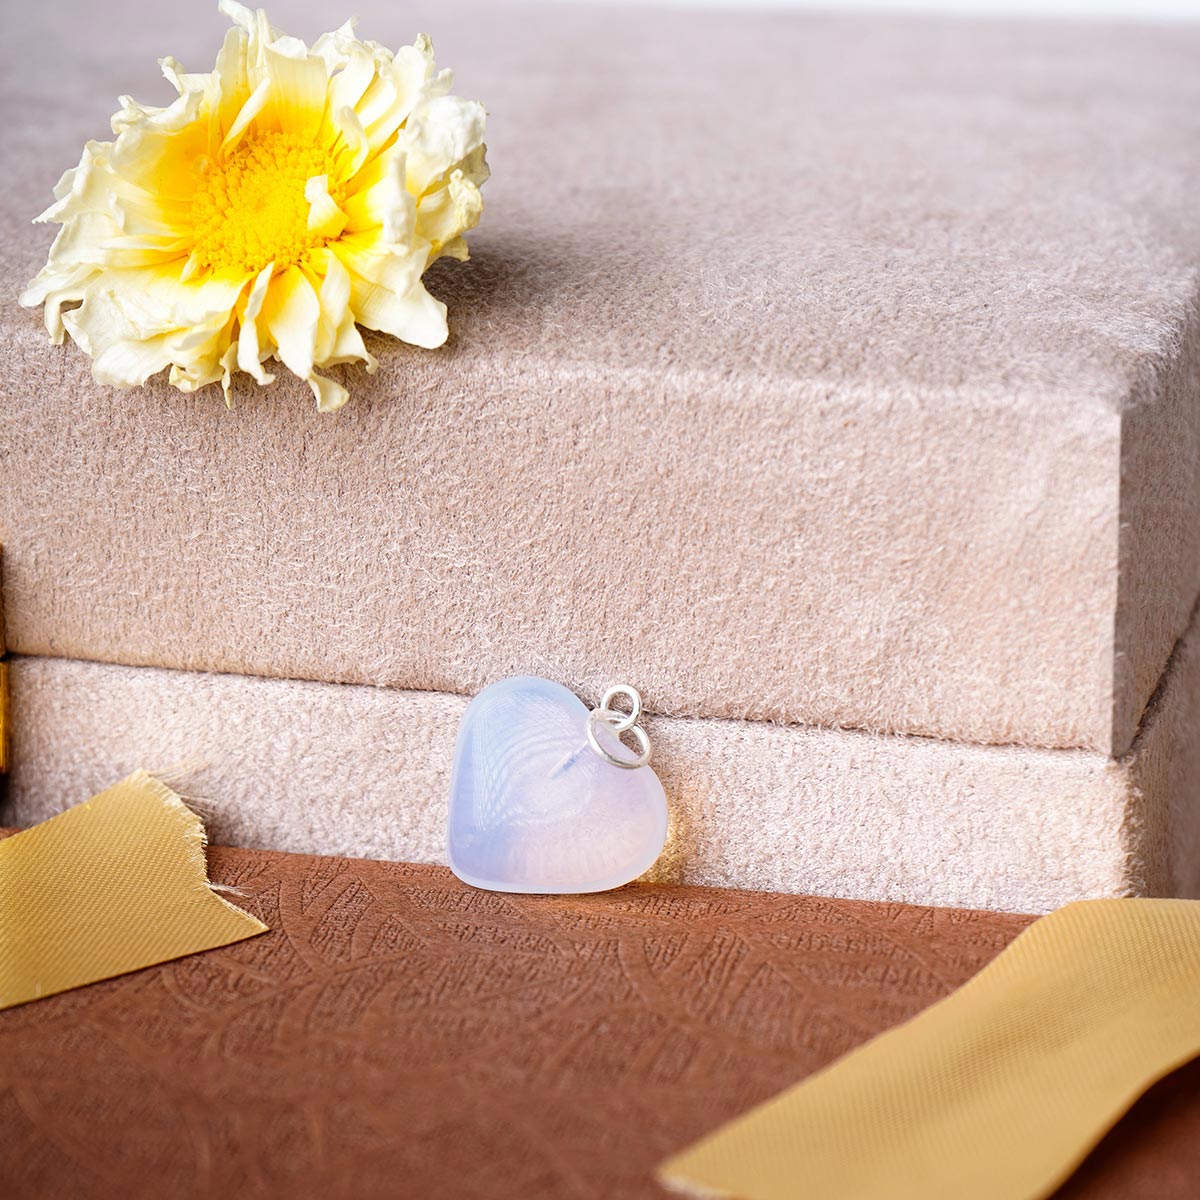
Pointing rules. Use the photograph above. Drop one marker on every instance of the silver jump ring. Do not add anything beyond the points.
(623, 721)
(604, 714)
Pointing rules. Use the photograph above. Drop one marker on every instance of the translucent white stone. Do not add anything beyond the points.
(533, 808)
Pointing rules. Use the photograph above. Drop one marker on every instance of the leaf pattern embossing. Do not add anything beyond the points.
(398, 1034)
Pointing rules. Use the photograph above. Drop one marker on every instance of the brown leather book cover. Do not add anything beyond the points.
(397, 1034)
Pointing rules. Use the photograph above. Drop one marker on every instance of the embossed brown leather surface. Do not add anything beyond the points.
(397, 1034)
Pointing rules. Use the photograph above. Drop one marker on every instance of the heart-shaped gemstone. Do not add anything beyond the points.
(534, 808)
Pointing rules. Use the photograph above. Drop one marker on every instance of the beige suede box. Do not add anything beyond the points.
(834, 380)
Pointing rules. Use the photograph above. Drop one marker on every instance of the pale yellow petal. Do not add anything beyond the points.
(207, 362)
(56, 288)
(290, 314)
(330, 394)
(388, 295)
(131, 334)
(385, 204)
(249, 353)
(413, 71)
(352, 80)
(181, 80)
(259, 33)
(254, 104)
(299, 85)
(441, 133)
(334, 304)
(419, 319)
(444, 215)
(338, 339)
(325, 219)
(350, 143)
(294, 316)
(229, 87)
(239, 14)
(228, 366)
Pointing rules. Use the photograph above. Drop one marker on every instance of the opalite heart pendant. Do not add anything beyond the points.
(544, 795)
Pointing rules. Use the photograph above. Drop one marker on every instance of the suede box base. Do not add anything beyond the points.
(357, 770)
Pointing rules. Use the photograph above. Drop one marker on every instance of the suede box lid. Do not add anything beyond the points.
(831, 371)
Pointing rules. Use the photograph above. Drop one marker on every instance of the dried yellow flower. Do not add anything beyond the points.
(284, 199)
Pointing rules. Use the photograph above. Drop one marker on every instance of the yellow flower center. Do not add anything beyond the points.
(250, 210)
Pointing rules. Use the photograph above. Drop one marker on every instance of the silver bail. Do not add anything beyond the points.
(620, 723)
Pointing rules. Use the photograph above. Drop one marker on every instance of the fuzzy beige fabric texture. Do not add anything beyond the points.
(365, 771)
(816, 370)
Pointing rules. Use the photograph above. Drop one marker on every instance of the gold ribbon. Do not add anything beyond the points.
(109, 886)
(997, 1092)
